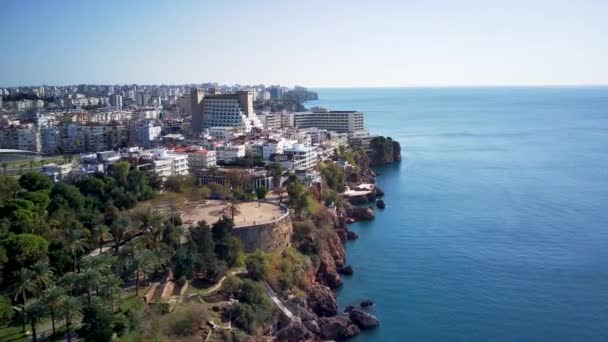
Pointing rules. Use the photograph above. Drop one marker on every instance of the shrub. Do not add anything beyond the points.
(257, 265)
(261, 192)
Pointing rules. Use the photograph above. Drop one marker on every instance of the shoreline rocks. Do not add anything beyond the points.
(380, 204)
(322, 301)
(362, 319)
(366, 303)
(362, 214)
(346, 270)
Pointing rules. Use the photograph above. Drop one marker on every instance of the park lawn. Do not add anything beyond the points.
(11, 333)
(129, 300)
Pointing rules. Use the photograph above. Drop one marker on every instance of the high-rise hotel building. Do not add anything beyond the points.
(223, 110)
(341, 121)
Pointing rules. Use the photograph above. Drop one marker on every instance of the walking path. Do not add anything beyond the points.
(277, 301)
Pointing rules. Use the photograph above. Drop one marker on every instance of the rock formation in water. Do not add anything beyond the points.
(384, 151)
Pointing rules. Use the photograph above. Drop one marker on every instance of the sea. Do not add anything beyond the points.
(496, 225)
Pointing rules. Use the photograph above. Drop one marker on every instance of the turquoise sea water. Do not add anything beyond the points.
(497, 221)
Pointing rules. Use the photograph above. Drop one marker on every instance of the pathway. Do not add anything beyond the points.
(277, 301)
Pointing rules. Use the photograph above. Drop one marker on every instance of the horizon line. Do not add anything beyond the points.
(333, 86)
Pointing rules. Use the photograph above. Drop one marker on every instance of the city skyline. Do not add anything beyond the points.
(314, 44)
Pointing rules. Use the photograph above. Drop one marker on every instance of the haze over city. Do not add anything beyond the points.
(313, 43)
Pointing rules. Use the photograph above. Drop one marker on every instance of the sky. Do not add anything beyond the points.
(330, 43)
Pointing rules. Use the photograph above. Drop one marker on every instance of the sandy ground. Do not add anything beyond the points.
(249, 213)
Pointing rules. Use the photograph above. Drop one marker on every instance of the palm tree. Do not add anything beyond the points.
(102, 263)
(119, 230)
(101, 231)
(23, 285)
(89, 279)
(76, 244)
(42, 274)
(53, 298)
(69, 308)
(233, 207)
(4, 167)
(69, 282)
(31, 165)
(110, 290)
(143, 261)
(34, 311)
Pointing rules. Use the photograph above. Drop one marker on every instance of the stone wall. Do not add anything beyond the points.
(270, 236)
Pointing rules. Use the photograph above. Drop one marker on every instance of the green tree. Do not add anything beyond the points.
(76, 244)
(53, 298)
(23, 286)
(23, 250)
(4, 167)
(143, 262)
(257, 265)
(6, 310)
(89, 279)
(9, 186)
(120, 229)
(34, 311)
(100, 232)
(65, 196)
(96, 324)
(261, 192)
(233, 207)
(42, 274)
(69, 309)
(34, 181)
(110, 290)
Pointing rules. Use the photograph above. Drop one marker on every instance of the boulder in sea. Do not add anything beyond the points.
(346, 270)
(380, 204)
(337, 328)
(362, 319)
(350, 235)
(366, 303)
(378, 191)
(348, 309)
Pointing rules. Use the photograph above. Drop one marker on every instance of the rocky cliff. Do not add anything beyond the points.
(384, 151)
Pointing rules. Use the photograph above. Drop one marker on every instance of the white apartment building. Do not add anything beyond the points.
(57, 172)
(201, 159)
(230, 153)
(303, 157)
(338, 121)
(169, 164)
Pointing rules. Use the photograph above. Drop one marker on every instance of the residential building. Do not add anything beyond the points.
(229, 153)
(141, 99)
(49, 140)
(57, 172)
(116, 101)
(169, 164)
(146, 133)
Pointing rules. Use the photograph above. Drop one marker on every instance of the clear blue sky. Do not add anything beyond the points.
(312, 43)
